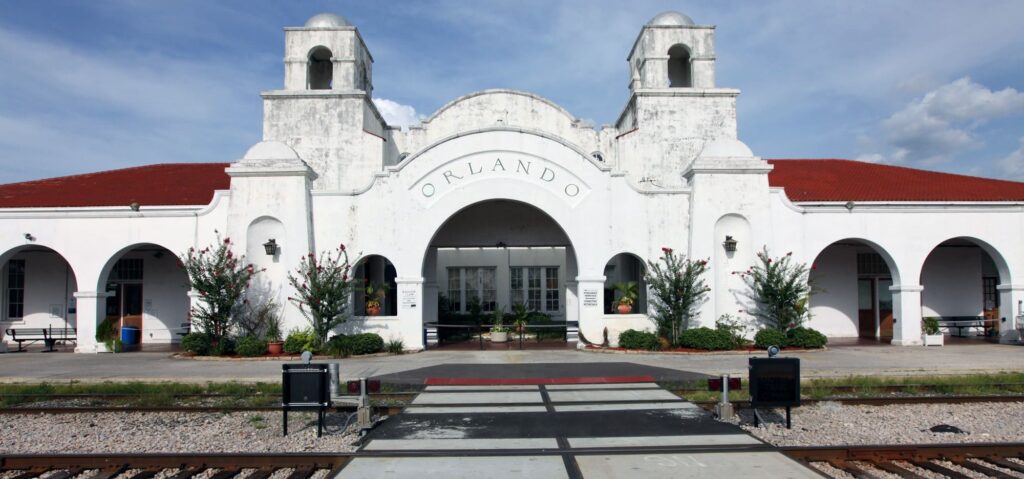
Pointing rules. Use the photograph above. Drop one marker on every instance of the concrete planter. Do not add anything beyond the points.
(499, 337)
(932, 339)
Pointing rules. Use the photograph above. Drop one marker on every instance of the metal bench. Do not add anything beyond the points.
(963, 323)
(49, 336)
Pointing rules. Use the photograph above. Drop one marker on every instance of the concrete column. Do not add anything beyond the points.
(90, 306)
(591, 308)
(410, 311)
(572, 301)
(906, 306)
(1011, 316)
(430, 293)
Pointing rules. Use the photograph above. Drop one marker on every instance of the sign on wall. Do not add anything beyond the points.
(518, 166)
(591, 298)
(409, 298)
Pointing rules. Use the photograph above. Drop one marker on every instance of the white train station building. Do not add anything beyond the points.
(507, 197)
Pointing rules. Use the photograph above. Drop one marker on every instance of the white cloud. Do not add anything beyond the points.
(1012, 165)
(397, 114)
(940, 125)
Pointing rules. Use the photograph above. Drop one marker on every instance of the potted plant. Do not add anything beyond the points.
(520, 317)
(628, 293)
(931, 334)
(274, 343)
(106, 337)
(375, 293)
(499, 333)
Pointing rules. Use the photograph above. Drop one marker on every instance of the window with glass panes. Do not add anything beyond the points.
(465, 284)
(15, 289)
(536, 287)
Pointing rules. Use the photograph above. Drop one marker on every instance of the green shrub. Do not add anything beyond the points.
(633, 339)
(707, 338)
(299, 341)
(223, 347)
(196, 343)
(395, 346)
(930, 325)
(367, 343)
(339, 345)
(251, 346)
(769, 337)
(805, 338)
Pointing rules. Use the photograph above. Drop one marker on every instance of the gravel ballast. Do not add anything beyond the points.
(152, 432)
(832, 423)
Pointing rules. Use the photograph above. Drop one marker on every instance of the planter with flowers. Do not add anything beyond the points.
(930, 333)
(375, 293)
(628, 292)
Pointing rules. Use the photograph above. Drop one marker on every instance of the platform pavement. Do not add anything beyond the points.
(34, 366)
(566, 429)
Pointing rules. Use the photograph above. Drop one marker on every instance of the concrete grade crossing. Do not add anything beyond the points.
(612, 429)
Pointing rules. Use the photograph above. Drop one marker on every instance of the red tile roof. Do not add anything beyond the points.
(803, 180)
(167, 185)
(847, 180)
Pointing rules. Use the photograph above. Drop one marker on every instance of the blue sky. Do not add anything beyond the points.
(88, 86)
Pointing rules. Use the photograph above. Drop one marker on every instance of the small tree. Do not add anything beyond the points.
(678, 289)
(221, 279)
(780, 289)
(323, 289)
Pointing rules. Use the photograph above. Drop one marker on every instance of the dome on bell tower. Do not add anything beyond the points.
(670, 19)
(327, 20)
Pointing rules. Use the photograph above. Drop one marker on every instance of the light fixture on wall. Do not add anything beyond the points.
(730, 244)
(28, 236)
(849, 205)
(135, 206)
(270, 247)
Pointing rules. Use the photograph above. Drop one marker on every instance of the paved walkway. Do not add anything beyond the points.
(35, 366)
(610, 429)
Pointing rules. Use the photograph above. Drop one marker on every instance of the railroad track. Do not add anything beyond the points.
(912, 461)
(956, 461)
(173, 466)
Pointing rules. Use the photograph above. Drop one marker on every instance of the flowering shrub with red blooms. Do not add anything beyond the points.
(323, 289)
(677, 291)
(781, 290)
(221, 278)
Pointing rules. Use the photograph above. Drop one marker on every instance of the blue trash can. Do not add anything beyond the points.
(129, 335)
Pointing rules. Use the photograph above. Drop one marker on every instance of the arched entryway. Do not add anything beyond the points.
(960, 279)
(852, 278)
(38, 287)
(146, 296)
(497, 256)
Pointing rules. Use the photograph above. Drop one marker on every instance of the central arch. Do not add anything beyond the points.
(500, 253)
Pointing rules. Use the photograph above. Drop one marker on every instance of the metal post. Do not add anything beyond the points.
(284, 422)
(480, 334)
(334, 369)
(789, 423)
(724, 409)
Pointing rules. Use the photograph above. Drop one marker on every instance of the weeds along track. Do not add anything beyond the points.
(956, 461)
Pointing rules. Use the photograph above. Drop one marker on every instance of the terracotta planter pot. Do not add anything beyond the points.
(373, 310)
(624, 308)
(275, 347)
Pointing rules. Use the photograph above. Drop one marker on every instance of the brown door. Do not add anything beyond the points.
(866, 308)
(131, 314)
(885, 309)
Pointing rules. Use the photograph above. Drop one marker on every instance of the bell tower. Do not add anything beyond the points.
(674, 108)
(327, 53)
(673, 52)
(325, 113)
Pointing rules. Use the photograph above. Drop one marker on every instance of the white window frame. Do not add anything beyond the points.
(522, 295)
(464, 290)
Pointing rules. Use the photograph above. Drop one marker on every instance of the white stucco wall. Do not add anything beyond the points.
(952, 282)
(834, 309)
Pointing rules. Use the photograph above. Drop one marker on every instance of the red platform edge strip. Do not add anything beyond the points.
(536, 381)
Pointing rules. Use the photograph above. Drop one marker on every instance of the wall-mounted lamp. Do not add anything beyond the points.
(135, 206)
(270, 247)
(849, 205)
(29, 237)
(730, 244)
